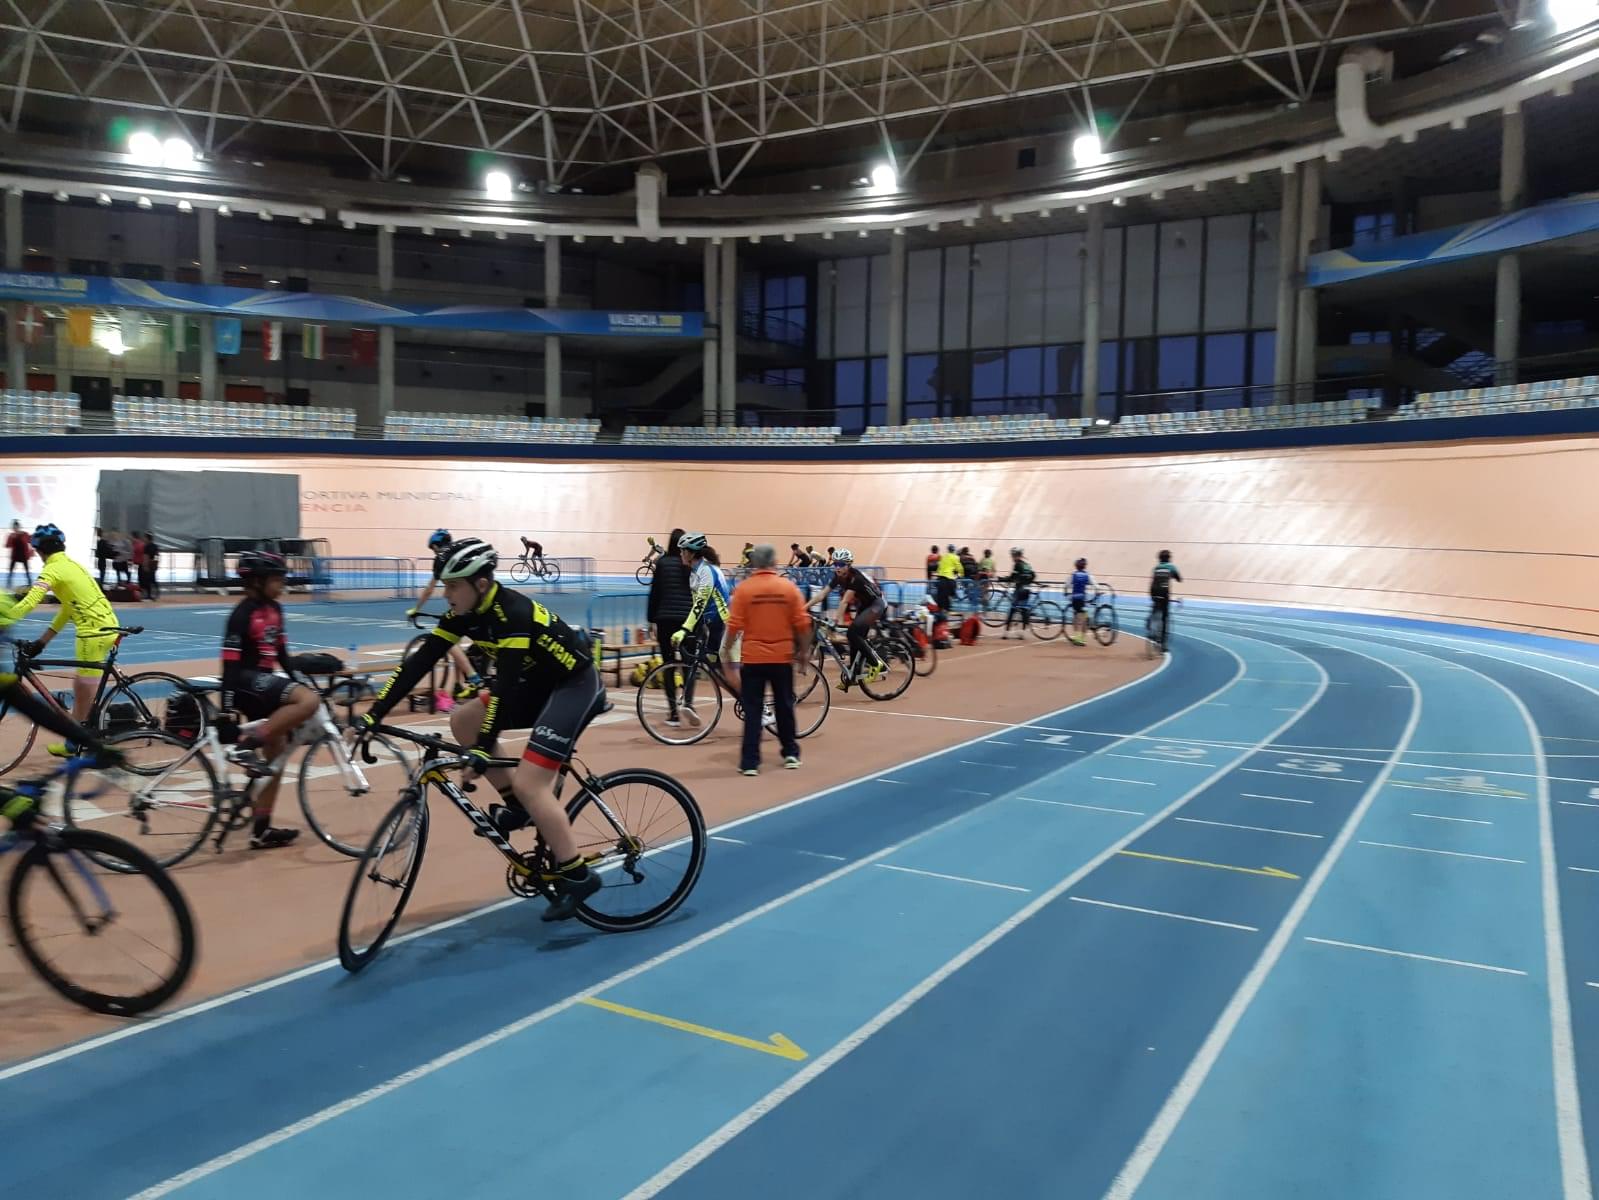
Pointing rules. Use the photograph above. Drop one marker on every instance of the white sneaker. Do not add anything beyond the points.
(791, 764)
(689, 715)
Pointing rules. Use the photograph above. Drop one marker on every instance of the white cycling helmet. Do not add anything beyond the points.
(466, 558)
(843, 557)
(1016, 550)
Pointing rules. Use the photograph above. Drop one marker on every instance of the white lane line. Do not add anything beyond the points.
(968, 792)
(266, 985)
(1325, 778)
(1450, 853)
(819, 854)
(895, 782)
(1284, 799)
(728, 840)
(1584, 870)
(1457, 820)
(1131, 812)
(1142, 1159)
(736, 1125)
(1153, 757)
(1158, 912)
(1118, 779)
(1579, 804)
(991, 766)
(1448, 962)
(988, 883)
(1251, 828)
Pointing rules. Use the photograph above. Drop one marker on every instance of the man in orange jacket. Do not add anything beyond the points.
(770, 613)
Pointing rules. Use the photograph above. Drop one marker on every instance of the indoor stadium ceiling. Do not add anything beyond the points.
(718, 92)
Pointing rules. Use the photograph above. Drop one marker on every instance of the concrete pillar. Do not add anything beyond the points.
(710, 395)
(553, 405)
(1287, 298)
(1507, 290)
(377, 417)
(209, 392)
(728, 371)
(896, 329)
(1306, 323)
(16, 352)
(1093, 271)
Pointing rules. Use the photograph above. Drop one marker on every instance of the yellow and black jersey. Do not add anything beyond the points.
(530, 646)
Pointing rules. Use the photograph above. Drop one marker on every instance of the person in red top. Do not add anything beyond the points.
(769, 612)
(21, 548)
(254, 652)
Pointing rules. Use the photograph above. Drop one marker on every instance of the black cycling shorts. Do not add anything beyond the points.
(261, 693)
(1079, 604)
(556, 716)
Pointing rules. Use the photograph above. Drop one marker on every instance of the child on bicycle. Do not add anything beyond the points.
(254, 651)
(544, 680)
(862, 596)
(85, 606)
(468, 682)
(1082, 583)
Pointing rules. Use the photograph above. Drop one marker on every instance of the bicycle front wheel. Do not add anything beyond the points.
(664, 707)
(1105, 624)
(521, 572)
(155, 702)
(644, 574)
(343, 819)
(101, 922)
(17, 734)
(383, 882)
(996, 607)
(166, 811)
(1047, 620)
(1154, 636)
(643, 832)
(924, 651)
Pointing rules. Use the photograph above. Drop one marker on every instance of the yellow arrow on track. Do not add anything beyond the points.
(1270, 872)
(776, 1045)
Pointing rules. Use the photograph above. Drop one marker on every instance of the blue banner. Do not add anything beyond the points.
(103, 292)
(228, 336)
(1514, 231)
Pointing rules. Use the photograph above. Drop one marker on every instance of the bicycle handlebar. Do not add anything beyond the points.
(457, 754)
(416, 617)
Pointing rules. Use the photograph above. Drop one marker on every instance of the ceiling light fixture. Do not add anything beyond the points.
(1088, 150)
(497, 185)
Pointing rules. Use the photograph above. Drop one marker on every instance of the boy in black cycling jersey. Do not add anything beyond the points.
(1160, 581)
(860, 593)
(544, 680)
(254, 652)
(467, 681)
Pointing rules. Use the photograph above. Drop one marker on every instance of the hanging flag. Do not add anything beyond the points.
(80, 328)
(183, 334)
(30, 325)
(229, 335)
(364, 347)
(311, 342)
(272, 341)
(132, 328)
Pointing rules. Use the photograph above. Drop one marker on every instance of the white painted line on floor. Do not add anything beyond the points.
(1263, 796)
(1252, 828)
(1153, 756)
(1131, 812)
(1450, 853)
(991, 766)
(1157, 912)
(1579, 804)
(1116, 779)
(1457, 820)
(896, 782)
(1448, 962)
(968, 792)
(819, 854)
(1584, 870)
(988, 883)
(1301, 775)
(730, 841)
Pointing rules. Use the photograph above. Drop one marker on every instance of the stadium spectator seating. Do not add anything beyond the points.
(38, 412)
(454, 427)
(729, 435)
(193, 418)
(1505, 398)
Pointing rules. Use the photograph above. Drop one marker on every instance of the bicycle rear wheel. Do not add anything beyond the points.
(643, 832)
(898, 671)
(996, 607)
(115, 939)
(644, 574)
(158, 702)
(383, 882)
(660, 702)
(550, 573)
(924, 651)
(1105, 624)
(342, 819)
(166, 811)
(1154, 636)
(17, 734)
(1047, 620)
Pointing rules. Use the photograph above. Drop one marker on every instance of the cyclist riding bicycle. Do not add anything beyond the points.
(266, 705)
(860, 593)
(533, 550)
(1082, 583)
(798, 557)
(544, 681)
(468, 681)
(1160, 581)
(1021, 577)
(84, 605)
(20, 700)
(711, 594)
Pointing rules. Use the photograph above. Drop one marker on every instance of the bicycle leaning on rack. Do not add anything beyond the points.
(58, 888)
(614, 815)
(174, 809)
(121, 702)
(670, 688)
(528, 565)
